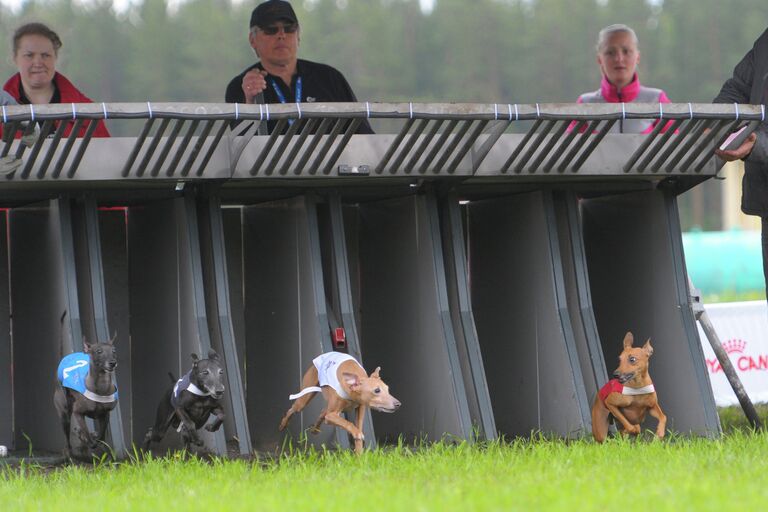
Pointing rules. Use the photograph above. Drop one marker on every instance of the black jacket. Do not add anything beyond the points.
(320, 83)
(748, 85)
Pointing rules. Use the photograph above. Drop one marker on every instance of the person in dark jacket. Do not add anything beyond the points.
(35, 51)
(280, 76)
(749, 84)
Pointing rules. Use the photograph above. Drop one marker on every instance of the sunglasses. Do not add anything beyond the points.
(288, 28)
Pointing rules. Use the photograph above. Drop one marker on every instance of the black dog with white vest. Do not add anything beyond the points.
(187, 405)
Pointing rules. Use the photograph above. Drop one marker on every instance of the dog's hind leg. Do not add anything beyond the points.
(60, 403)
(315, 428)
(310, 379)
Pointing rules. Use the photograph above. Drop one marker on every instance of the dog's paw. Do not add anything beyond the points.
(634, 429)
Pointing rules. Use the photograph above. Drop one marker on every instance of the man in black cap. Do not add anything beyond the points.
(280, 75)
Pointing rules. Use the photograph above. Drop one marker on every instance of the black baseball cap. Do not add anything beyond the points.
(266, 13)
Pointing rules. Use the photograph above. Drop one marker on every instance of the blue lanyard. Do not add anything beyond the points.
(281, 96)
(279, 92)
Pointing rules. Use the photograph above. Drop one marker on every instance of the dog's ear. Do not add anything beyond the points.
(351, 380)
(213, 355)
(648, 348)
(86, 346)
(375, 373)
(195, 359)
(112, 339)
(628, 340)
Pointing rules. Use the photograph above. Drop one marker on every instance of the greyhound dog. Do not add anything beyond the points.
(86, 388)
(344, 385)
(190, 401)
(630, 395)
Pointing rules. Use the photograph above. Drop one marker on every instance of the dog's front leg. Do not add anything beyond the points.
(360, 419)
(213, 427)
(81, 430)
(188, 426)
(613, 403)
(657, 413)
(334, 418)
(102, 422)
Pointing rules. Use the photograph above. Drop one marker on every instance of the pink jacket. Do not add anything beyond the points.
(634, 91)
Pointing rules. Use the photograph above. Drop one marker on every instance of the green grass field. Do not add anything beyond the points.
(679, 473)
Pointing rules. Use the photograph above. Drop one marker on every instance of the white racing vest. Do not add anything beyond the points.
(327, 373)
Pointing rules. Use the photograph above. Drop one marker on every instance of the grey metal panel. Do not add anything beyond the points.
(233, 241)
(343, 292)
(457, 280)
(215, 271)
(195, 336)
(154, 309)
(90, 287)
(579, 302)
(40, 338)
(113, 233)
(530, 369)
(634, 256)
(6, 361)
(405, 326)
(282, 319)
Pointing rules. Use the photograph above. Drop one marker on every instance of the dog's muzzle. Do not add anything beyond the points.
(624, 377)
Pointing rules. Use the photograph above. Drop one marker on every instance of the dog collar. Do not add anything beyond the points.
(104, 399)
(638, 391)
(196, 390)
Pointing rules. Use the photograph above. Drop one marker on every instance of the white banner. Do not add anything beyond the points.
(743, 331)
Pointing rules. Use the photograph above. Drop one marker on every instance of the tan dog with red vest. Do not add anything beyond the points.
(344, 385)
(629, 396)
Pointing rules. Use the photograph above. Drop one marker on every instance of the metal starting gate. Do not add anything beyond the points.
(488, 257)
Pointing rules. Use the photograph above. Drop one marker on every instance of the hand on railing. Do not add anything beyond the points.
(743, 151)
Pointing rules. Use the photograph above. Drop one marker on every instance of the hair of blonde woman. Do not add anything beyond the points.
(605, 33)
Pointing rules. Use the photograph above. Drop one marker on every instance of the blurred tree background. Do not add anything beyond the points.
(505, 51)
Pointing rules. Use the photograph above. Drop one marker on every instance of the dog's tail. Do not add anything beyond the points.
(173, 379)
(61, 334)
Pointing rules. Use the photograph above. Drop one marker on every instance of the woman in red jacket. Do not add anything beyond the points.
(35, 50)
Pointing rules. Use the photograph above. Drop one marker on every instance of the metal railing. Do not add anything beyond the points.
(187, 141)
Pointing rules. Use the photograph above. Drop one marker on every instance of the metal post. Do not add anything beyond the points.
(722, 356)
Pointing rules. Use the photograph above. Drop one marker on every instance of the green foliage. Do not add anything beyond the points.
(486, 50)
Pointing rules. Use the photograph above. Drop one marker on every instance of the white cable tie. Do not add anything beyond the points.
(266, 107)
(762, 109)
(74, 112)
(410, 109)
(538, 113)
(237, 112)
(661, 112)
(690, 110)
(367, 110)
(298, 107)
(104, 108)
(623, 111)
(31, 112)
(149, 107)
(736, 106)
(261, 112)
(5, 115)
(509, 107)
(517, 113)
(495, 112)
